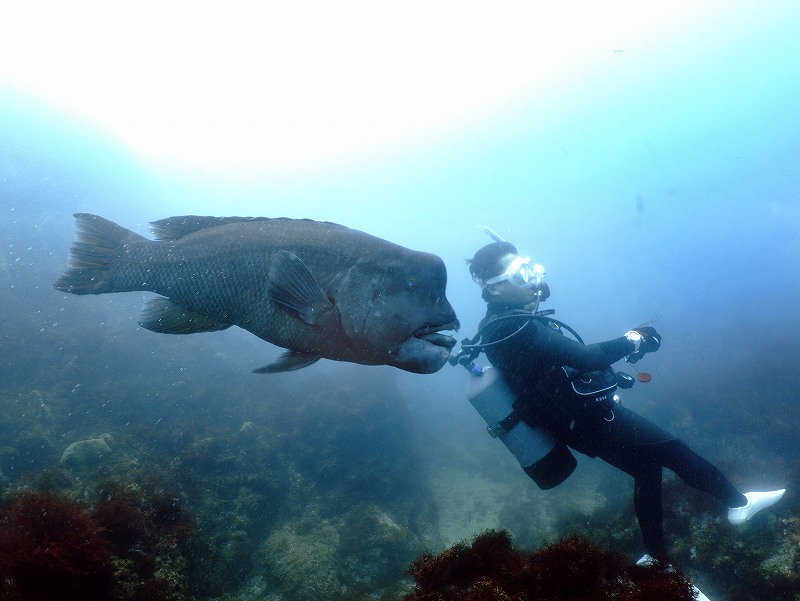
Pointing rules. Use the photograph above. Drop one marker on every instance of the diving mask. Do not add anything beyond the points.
(521, 272)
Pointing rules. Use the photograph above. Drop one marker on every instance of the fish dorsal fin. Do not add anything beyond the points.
(288, 361)
(173, 228)
(292, 285)
(165, 317)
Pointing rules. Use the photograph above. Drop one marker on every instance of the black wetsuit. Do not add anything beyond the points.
(530, 354)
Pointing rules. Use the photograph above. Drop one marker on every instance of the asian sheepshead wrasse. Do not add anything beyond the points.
(319, 289)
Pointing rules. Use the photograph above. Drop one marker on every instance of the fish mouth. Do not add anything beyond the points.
(433, 334)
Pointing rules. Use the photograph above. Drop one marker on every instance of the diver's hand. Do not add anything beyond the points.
(544, 292)
(651, 340)
(645, 340)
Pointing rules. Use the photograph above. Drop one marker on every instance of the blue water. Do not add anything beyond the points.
(662, 189)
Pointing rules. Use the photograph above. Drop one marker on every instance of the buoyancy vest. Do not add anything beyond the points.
(538, 449)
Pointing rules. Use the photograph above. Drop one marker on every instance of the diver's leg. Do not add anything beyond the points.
(704, 476)
(649, 510)
(697, 472)
(646, 493)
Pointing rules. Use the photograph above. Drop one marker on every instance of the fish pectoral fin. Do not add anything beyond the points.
(165, 317)
(288, 361)
(292, 285)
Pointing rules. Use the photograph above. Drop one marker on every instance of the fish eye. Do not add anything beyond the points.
(411, 284)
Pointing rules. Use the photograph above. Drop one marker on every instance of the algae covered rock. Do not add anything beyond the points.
(572, 568)
(374, 549)
(248, 433)
(358, 555)
(301, 561)
(87, 453)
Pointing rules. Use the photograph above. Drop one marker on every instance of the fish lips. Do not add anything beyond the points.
(426, 351)
(433, 335)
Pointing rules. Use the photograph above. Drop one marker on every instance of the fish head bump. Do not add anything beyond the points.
(394, 310)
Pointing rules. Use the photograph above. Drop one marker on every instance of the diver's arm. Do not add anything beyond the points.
(566, 351)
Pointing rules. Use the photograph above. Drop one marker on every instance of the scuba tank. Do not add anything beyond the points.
(547, 461)
(494, 401)
(538, 452)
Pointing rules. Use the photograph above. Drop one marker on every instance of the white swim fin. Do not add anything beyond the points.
(700, 595)
(756, 501)
(649, 560)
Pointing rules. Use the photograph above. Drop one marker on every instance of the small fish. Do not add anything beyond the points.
(318, 289)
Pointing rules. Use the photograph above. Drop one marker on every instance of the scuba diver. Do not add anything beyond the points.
(559, 395)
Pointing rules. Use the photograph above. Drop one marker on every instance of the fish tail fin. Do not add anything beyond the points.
(99, 244)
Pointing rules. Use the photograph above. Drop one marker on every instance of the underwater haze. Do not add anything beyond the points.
(657, 183)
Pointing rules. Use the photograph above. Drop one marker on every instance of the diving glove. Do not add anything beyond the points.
(645, 340)
(544, 291)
